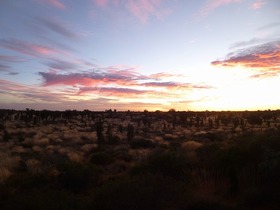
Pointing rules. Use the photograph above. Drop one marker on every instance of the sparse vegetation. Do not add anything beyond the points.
(150, 160)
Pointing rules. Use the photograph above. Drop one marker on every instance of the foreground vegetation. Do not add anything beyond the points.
(144, 160)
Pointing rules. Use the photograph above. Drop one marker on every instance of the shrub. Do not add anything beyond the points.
(142, 192)
(101, 158)
(44, 200)
(169, 164)
(77, 177)
(142, 143)
(206, 205)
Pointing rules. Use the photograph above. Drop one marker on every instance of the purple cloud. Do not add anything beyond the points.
(10, 58)
(161, 84)
(57, 27)
(61, 65)
(4, 67)
(105, 75)
(253, 41)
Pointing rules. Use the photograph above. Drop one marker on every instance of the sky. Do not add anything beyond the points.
(140, 54)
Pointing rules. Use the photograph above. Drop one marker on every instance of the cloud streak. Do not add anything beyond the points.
(6, 61)
(4, 67)
(10, 58)
(175, 85)
(56, 27)
(25, 93)
(55, 3)
(269, 26)
(211, 5)
(115, 91)
(141, 9)
(253, 41)
(57, 64)
(27, 48)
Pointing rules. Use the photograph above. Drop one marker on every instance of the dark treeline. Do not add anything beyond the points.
(184, 118)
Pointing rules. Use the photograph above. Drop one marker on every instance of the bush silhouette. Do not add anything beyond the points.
(167, 164)
(142, 192)
(77, 177)
(142, 143)
(101, 158)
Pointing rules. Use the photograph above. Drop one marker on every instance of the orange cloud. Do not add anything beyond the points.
(263, 58)
(162, 75)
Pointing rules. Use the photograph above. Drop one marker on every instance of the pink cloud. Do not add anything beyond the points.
(64, 79)
(118, 81)
(13, 86)
(116, 91)
(30, 93)
(26, 47)
(142, 9)
(101, 3)
(265, 74)
(109, 75)
(211, 5)
(258, 4)
(162, 75)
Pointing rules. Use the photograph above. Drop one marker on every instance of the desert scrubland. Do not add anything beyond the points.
(139, 160)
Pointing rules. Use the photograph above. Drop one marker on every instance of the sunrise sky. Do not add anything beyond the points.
(140, 54)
